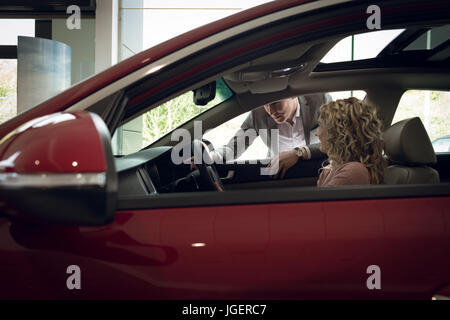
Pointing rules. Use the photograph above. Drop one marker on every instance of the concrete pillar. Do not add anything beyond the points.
(131, 28)
(106, 34)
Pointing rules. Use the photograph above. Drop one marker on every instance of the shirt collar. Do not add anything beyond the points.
(297, 113)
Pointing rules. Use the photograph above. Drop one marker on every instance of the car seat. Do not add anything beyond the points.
(409, 152)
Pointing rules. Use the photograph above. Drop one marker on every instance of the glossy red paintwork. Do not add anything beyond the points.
(74, 94)
(57, 143)
(293, 250)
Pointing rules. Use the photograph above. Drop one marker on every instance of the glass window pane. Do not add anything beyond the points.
(347, 94)
(15, 27)
(369, 45)
(431, 39)
(221, 135)
(8, 89)
(432, 107)
(143, 20)
(151, 126)
(366, 45)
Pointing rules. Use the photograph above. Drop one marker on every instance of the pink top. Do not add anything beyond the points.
(346, 174)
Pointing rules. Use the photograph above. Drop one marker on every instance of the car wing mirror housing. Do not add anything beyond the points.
(59, 168)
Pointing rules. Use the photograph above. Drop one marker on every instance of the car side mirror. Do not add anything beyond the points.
(59, 168)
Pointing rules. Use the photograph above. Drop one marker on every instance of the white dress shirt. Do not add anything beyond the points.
(291, 136)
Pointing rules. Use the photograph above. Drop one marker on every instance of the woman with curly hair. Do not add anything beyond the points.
(350, 134)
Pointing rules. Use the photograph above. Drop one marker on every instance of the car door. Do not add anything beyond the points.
(358, 242)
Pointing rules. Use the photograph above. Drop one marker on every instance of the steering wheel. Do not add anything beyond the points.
(207, 168)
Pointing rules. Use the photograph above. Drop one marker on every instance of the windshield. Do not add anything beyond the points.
(161, 120)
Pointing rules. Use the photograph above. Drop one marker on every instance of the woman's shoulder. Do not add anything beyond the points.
(352, 166)
(355, 170)
(350, 173)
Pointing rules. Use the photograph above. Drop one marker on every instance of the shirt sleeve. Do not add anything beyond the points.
(307, 154)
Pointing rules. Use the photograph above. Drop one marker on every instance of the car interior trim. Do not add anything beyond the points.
(281, 195)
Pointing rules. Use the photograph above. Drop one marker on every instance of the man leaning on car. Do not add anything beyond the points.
(295, 119)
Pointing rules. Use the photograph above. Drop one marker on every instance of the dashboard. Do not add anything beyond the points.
(152, 171)
(149, 172)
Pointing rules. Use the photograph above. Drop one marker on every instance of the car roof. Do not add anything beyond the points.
(257, 76)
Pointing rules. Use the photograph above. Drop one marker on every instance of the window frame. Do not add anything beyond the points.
(282, 195)
(168, 133)
(276, 195)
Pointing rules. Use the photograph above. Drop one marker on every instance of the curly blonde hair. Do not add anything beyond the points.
(354, 134)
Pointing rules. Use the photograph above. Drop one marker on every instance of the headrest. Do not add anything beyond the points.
(408, 141)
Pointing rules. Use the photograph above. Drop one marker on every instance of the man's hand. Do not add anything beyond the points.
(286, 160)
(216, 157)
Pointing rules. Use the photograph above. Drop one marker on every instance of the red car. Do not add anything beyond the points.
(85, 216)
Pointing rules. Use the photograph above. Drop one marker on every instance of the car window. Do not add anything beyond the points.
(8, 89)
(361, 46)
(442, 144)
(152, 125)
(430, 39)
(222, 134)
(433, 108)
